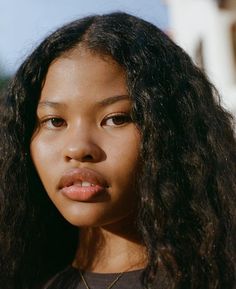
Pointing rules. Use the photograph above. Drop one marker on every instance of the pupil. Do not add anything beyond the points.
(57, 122)
(120, 119)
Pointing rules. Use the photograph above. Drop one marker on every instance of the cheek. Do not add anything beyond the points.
(128, 150)
(44, 149)
(43, 155)
(124, 156)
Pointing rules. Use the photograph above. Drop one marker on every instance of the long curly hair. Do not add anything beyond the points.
(187, 181)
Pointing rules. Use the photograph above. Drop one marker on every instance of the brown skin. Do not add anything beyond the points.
(79, 132)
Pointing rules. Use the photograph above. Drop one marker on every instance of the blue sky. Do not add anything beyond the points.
(24, 23)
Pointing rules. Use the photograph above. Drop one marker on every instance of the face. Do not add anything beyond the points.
(86, 147)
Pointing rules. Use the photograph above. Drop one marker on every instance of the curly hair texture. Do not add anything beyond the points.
(187, 181)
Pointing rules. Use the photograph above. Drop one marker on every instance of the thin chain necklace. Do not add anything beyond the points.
(109, 286)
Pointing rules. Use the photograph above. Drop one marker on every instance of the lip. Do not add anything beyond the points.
(69, 187)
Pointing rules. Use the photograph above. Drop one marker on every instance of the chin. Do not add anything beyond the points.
(93, 214)
(94, 219)
(83, 217)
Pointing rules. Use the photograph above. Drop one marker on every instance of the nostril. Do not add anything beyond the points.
(87, 158)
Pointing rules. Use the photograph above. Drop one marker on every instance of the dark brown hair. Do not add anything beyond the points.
(187, 181)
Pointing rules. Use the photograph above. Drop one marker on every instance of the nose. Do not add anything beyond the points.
(82, 146)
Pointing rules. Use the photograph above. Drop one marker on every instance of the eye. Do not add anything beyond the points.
(54, 122)
(117, 120)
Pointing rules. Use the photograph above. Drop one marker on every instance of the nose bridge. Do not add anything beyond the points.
(81, 142)
(79, 132)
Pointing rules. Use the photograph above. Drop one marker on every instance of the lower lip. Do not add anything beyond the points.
(82, 194)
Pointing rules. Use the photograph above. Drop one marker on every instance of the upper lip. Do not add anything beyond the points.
(83, 175)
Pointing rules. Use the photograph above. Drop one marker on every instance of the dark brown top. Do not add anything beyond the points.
(128, 280)
(70, 279)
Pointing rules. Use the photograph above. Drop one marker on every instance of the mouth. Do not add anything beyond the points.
(82, 184)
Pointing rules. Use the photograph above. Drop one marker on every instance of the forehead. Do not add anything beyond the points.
(81, 60)
(85, 75)
(83, 63)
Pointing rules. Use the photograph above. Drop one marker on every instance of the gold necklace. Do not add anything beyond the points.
(109, 286)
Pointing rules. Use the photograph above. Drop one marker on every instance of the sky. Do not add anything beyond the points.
(25, 23)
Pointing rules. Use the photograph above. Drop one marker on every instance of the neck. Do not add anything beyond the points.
(106, 250)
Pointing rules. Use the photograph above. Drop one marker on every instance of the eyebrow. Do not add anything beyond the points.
(104, 102)
(50, 104)
(113, 99)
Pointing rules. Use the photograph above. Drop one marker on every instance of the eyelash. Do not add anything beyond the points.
(49, 122)
(122, 118)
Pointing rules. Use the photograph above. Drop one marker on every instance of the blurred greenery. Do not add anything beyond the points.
(3, 81)
(4, 78)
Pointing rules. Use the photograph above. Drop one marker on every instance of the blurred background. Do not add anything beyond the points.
(206, 29)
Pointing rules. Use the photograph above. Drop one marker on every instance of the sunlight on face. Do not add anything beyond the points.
(86, 147)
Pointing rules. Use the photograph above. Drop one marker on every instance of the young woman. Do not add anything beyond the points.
(117, 165)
